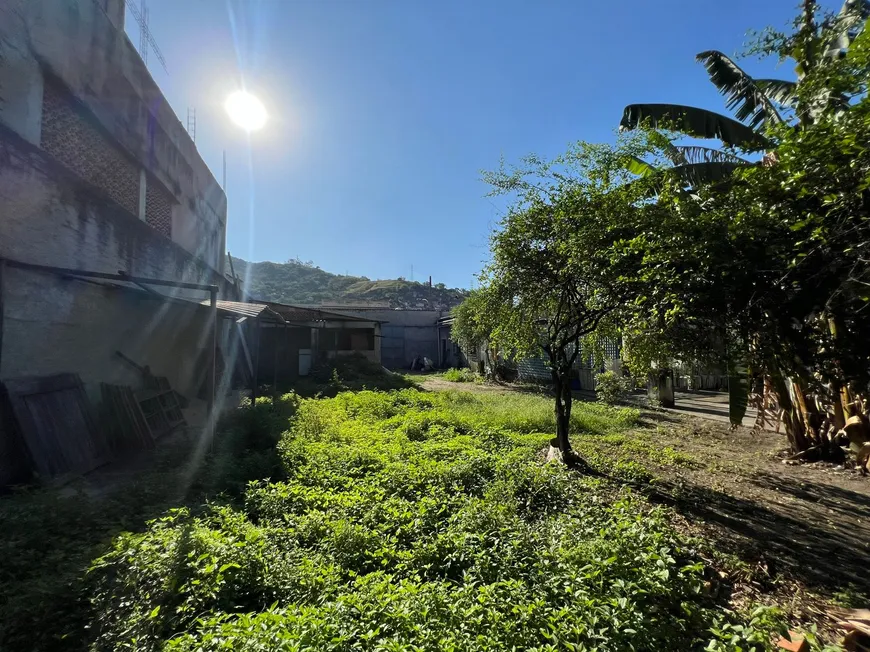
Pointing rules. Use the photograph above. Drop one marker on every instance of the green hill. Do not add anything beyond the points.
(298, 282)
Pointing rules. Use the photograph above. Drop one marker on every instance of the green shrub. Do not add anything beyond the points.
(414, 521)
(611, 388)
(349, 372)
(460, 376)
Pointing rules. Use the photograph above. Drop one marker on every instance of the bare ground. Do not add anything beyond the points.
(810, 522)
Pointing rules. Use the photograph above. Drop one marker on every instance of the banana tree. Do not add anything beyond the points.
(758, 107)
(757, 104)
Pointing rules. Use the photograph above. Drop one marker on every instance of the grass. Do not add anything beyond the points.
(461, 376)
(375, 521)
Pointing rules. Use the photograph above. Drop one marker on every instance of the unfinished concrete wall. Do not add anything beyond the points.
(50, 218)
(79, 48)
(373, 354)
(55, 325)
(97, 173)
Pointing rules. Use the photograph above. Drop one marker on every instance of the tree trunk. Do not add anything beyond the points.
(562, 386)
(842, 398)
(791, 420)
(811, 428)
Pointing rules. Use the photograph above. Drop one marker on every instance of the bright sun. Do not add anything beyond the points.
(246, 111)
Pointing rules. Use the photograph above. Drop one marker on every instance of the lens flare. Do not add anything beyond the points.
(246, 111)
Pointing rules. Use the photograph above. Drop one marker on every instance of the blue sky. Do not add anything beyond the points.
(384, 112)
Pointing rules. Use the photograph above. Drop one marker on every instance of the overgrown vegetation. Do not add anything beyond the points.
(379, 521)
(415, 521)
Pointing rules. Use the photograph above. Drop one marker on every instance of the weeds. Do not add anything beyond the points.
(49, 538)
(611, 388)
(461, 376)
(409, 520)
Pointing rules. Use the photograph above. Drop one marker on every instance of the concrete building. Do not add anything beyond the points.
(405, 334)
(311, 336)
(97, 173)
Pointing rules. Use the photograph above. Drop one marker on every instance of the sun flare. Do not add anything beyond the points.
(246, 111)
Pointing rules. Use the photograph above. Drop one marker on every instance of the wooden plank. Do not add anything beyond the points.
(137, 417)
(129, 428)
(15, 466)
(41, 384)
(2, 310)
(111, 417)
(55, 422)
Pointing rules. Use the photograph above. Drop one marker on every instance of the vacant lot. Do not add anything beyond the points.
(430, 521)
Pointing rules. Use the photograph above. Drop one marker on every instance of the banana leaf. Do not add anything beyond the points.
(696, 154)
(742, 95)
(696, 174)
(780, 91)
(693, 121)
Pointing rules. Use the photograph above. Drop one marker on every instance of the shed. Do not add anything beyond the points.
(246, 325)
(318, 335)
(278, 343)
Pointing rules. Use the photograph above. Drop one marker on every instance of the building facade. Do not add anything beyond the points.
(405, 335)
(97, 173)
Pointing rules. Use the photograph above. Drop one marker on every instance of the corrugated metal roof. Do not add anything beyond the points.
(280, 312)
(245, 309)
(299, 313)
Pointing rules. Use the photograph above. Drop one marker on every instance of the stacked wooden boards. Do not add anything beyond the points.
(48, 429)
(53, 421)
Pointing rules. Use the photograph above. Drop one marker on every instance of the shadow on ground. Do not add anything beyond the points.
(814, 533)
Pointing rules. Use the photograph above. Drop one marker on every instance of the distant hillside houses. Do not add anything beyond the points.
(302, 283)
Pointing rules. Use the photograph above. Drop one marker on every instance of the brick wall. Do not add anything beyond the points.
(158, 208)
(70, 137)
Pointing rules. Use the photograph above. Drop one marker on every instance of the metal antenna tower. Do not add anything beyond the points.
(191, 123)
(146, 39)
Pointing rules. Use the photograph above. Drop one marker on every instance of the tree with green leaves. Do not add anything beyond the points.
(558, 267)
(779, 260)
(473, 325)
(831, 76)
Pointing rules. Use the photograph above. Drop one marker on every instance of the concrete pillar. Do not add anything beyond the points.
(661, 387)
(378, 343)
(143, 188)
